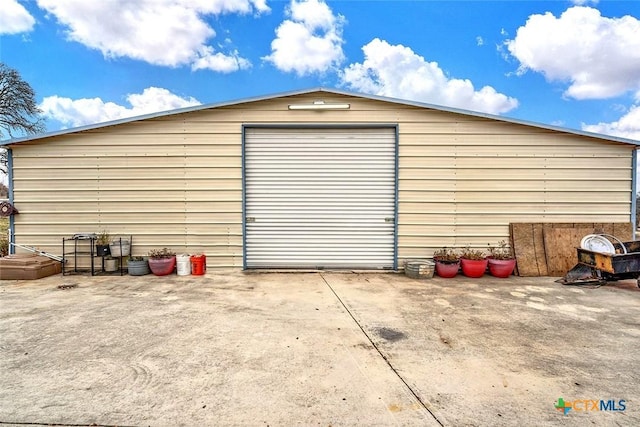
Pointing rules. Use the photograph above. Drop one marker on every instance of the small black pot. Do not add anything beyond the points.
(102, 250)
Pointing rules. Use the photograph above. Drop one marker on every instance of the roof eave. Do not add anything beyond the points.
(493, 117)
(154, 115)
(307, 91)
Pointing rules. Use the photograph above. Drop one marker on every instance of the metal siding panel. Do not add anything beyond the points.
(167, 196)
(582, 197)
(162, 126)
(542, 176)
(131, 173)
(508, 151)
(464, 185)
(321, 198)
(600, 164)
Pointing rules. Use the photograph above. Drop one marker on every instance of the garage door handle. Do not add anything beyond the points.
(250, 219)
(390, 219)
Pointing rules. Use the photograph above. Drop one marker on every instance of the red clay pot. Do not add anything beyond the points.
(501, 268)
(474, 268)
(447, 269)
(162, 266)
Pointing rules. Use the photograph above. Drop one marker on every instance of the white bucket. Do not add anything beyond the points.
(183, 264)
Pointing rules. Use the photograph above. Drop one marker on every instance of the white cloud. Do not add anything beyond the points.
(397, 71)
(14, 18)
(208, 59)
(87, 111)
(598, 56)
(310, 41)
(627, 127)
(583, 2)
(160, 32)
(479, 41)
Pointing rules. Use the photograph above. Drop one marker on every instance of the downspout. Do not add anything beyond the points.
(12, 249)
(244, 198)
(634, 191)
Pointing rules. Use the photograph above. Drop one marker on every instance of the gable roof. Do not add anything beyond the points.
(318, 90)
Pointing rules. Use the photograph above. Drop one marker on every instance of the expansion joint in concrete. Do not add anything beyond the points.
(375, 346)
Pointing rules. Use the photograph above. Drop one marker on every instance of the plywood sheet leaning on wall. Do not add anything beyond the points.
(560, 243)
(549, 249)
(528, 247)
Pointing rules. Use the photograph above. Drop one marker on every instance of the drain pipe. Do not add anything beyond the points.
(12, 239)
(634, 191)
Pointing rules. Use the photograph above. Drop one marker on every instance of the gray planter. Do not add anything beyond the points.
(138, 268)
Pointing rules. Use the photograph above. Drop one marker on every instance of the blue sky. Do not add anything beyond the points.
(574, 63)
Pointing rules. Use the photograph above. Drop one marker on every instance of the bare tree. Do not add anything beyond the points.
(19, 113)
(3, 161)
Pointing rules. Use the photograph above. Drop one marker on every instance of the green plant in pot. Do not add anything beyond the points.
(473, 262)
(162, 262)
(137, 266)
(103, 239)
(501, 260)
(447, 262)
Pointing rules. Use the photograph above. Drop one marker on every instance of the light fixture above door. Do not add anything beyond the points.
(320, 105)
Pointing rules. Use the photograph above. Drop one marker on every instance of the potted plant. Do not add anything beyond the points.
(110, 264)
(120, 247)
(102, 243)
(447, 262)
(473, 262)
(501, 260)
(162, 261)
(137, 266)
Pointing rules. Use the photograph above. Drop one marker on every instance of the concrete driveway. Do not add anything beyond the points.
(322, 349)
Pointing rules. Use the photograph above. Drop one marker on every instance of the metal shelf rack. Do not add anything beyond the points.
(81, 247)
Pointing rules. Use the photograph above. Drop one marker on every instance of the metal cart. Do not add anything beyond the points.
(603, 267)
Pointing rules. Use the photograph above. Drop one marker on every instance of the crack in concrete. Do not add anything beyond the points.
(27, 423)
(379, 351)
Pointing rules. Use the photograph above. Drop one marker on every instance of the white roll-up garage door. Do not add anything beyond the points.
(320, 197)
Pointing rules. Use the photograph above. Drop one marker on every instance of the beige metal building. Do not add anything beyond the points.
(314, 179)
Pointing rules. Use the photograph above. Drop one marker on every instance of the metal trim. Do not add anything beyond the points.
(244, 201)
(634, 191)
(396, 196)
(12, 237)
(309, 125)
